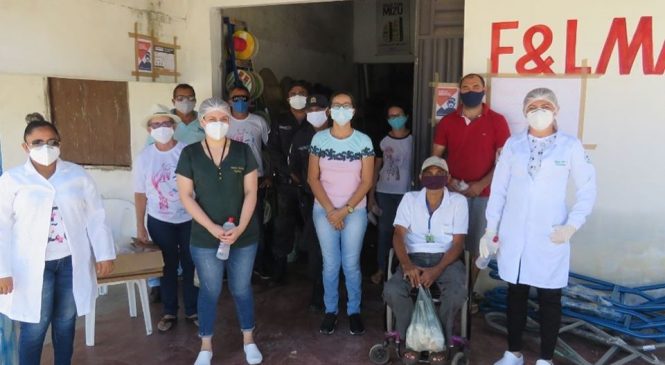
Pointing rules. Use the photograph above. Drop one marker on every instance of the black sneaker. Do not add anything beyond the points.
(356, 326)
(328, 324)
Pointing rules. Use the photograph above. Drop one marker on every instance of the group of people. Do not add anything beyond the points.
(200, 185)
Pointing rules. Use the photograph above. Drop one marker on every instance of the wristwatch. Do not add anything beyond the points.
(349, 209)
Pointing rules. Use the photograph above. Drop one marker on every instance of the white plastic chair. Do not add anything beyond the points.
(121, 217)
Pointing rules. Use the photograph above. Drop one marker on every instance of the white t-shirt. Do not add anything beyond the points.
(154, 175)
(395, 174)
(252, 131)
(451, 217)
(57, 246)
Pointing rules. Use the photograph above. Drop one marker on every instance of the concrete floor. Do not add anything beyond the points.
(287, 333)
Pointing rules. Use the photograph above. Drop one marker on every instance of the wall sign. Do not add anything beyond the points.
(392, 27)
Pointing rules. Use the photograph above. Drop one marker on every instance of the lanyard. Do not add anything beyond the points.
(221, 159)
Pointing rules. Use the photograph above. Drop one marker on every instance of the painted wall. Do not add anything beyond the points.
(624, 239)
(364, 34)
(311, 42)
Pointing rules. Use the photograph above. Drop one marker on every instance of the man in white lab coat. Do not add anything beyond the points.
(527, 208)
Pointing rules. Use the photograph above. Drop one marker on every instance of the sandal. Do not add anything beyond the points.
(194, 318)
(167, 322)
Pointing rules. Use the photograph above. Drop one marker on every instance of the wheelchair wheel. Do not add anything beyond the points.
(379, 354)
(460, 359)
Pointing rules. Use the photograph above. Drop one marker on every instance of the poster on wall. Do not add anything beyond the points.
(446, 97)
(393, 27)
(507, 97)
(165, 58)
(144, 55)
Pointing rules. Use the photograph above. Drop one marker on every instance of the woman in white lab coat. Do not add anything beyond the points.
(52, 231)
(527, 207)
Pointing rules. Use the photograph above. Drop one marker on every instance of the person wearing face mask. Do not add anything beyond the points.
(317, 120)
(430, 225)
(189, 130)
(253, 130)
(169, 224)
(217, 181)
(529, 226)
(53, 238)
(341, 164)
(287, 219)
(392, 178)
(471, 138)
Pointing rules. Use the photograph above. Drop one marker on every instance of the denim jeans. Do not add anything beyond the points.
(239, 267)
(173, 239)
(388, 204)
(58, 310)
(341, 248)
(8, 340)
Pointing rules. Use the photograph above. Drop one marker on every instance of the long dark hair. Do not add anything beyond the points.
(36, 120)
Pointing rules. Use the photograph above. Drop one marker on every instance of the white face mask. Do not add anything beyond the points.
(298, 102)
(162, 134)
(185, 107)
(45, 155)
(342, 116)
(216, 130)
(317, 119)
(540, 119)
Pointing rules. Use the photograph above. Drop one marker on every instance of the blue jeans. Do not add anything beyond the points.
(58, 310)
(239, 267)
(388, 204)
(341, 248)
(173, 239)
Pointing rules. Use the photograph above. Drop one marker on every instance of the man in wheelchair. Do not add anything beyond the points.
(430, 225)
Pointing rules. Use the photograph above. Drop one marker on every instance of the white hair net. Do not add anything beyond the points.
(213, 104)
(541, 93)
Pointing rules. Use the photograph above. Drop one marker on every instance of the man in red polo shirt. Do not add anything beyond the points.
(472, 137)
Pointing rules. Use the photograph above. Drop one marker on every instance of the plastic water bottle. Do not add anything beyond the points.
(224, 248)
(482, 262)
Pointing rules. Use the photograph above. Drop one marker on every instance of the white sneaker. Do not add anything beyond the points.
(510, 359)
(544, 362)
(203, 358)
(252, 354)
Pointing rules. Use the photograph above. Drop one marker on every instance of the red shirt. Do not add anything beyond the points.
(472, 148)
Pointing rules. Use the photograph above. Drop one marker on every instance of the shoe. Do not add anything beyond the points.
(328, 324)
(544, 362)
(252, 354)
(510, 359)
(193, 319)
(262, 275)
(203, 358)
(356, 326)
(166, 323)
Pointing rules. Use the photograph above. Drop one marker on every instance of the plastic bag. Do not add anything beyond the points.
(425, 332)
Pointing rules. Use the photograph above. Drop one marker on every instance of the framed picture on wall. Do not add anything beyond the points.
(393, 27)
(144, 55)
(446, 99)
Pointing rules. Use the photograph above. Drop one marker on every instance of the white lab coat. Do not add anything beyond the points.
(525, 209)
(26, 201)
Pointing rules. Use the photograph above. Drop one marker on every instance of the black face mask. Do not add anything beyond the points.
(472, 98)
(435, 182)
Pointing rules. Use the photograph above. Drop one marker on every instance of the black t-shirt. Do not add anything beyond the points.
(219, 198)
(279, 142)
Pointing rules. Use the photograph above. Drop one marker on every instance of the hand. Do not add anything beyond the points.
(453, 185)
(216, 231)
(474, 189)
(412, 274)
(562, 234)
(339, 225)
(267, 183)
(142, 234)
(104, 268)
(371, 203)
(231, 236)
(428, 276)
(337, 215)
(6, 285)
(489, 244)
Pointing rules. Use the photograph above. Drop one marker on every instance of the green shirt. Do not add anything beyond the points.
(219, 198)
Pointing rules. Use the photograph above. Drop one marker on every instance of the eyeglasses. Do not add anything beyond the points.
(222, 120)
(41, 142)
(162, 124)
(185, 98)
(239, 98)
(343, 106)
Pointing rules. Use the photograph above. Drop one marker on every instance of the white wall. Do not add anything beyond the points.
(364, 34)
(624, 239)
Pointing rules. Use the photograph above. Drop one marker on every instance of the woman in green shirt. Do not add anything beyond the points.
(217, 180)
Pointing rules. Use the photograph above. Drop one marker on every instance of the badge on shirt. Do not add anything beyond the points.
(429, 238)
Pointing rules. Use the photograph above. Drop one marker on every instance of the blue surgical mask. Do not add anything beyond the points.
(398, 122)
(240, 106)
(341, 116)
(472, 98)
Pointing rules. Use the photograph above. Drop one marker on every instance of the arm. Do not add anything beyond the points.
(140, 203)
(500, 182)
(99, 233)
(337, 216)
(411, 271)
(7, 195)
(250, 186)
(277, 157)
(438, 150)
(313, 179)
(186, 192)
(378, 162)
(584, 176)
(429, 275)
